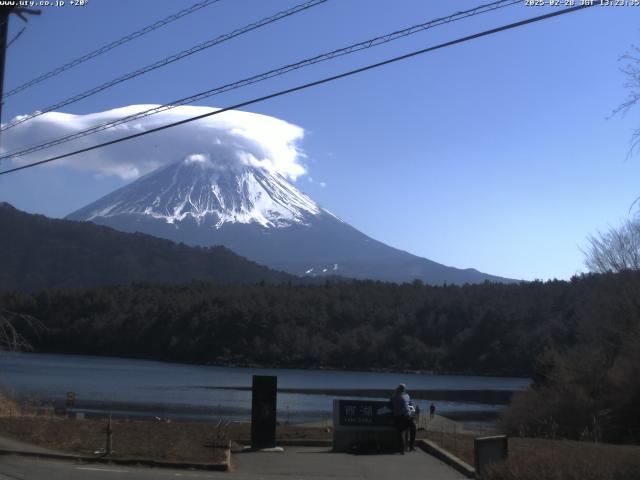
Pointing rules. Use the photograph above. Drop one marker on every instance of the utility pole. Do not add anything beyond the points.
(5, 12)
(4, 30)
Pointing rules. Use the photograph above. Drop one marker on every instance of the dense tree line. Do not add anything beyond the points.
(587, 387)
(487, 328)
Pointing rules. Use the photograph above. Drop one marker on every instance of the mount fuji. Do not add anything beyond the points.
(258, 214)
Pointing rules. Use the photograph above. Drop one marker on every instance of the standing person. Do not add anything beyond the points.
(432, 411)
(402, 416)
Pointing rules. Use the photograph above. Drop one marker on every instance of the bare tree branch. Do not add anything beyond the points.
(615, 250)
(10, 324)
(631, 68)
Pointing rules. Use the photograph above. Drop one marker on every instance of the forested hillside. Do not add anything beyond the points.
(38, 252)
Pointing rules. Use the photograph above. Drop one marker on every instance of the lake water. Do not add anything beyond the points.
(134, 388)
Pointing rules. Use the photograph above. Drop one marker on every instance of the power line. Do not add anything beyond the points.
(310, 84)
(16, 36)
(111, 46)
(168, 60)
(267, 75)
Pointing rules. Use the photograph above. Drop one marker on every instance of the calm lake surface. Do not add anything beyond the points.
(135, 388)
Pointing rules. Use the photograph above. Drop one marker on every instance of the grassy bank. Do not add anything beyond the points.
(535, 458)
(196, 442)
(172, 442)
(531, 458)
(8, 407)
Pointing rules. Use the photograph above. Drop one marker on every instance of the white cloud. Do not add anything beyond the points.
(232, 137)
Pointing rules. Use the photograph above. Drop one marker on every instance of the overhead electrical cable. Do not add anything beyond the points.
(110, 46)
(372, 42)
(168, 60)
(310, 84)
(16, 37)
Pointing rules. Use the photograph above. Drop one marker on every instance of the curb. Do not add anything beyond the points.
(305, 443)
(292, 442)
(444, 456)
(219, 467)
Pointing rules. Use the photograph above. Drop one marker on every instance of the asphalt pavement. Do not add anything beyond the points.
(13, 467)
(314, 463)
(320, 463)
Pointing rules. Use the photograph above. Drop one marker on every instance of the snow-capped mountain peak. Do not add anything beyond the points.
(196, 189)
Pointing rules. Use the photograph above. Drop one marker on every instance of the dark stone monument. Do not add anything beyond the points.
(263, 411)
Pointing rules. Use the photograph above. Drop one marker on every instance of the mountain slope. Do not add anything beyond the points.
(38, 252)
(258, 214)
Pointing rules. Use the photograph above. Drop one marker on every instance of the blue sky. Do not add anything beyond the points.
(496, 154)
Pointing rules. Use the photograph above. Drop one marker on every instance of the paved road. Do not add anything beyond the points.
(320, 464)
(296, 462)
(16, 445)
(26, 468)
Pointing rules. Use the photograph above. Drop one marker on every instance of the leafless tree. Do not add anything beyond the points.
(631, 68)
(619, 248)
(10, 337)
(615, 250)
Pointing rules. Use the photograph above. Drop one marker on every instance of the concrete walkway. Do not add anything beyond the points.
(314, 463)
(18, 446)
(319, 463)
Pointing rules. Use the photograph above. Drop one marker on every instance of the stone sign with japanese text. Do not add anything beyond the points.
(363, 424)
(365, 413)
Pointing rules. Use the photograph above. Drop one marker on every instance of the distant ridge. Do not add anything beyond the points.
(258, 214)
(38, 252)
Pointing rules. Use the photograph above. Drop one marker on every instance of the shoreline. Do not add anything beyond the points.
(321, 368)
(186, 413)
(483, 396)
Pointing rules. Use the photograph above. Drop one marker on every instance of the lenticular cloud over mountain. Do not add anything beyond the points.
(230, 139)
